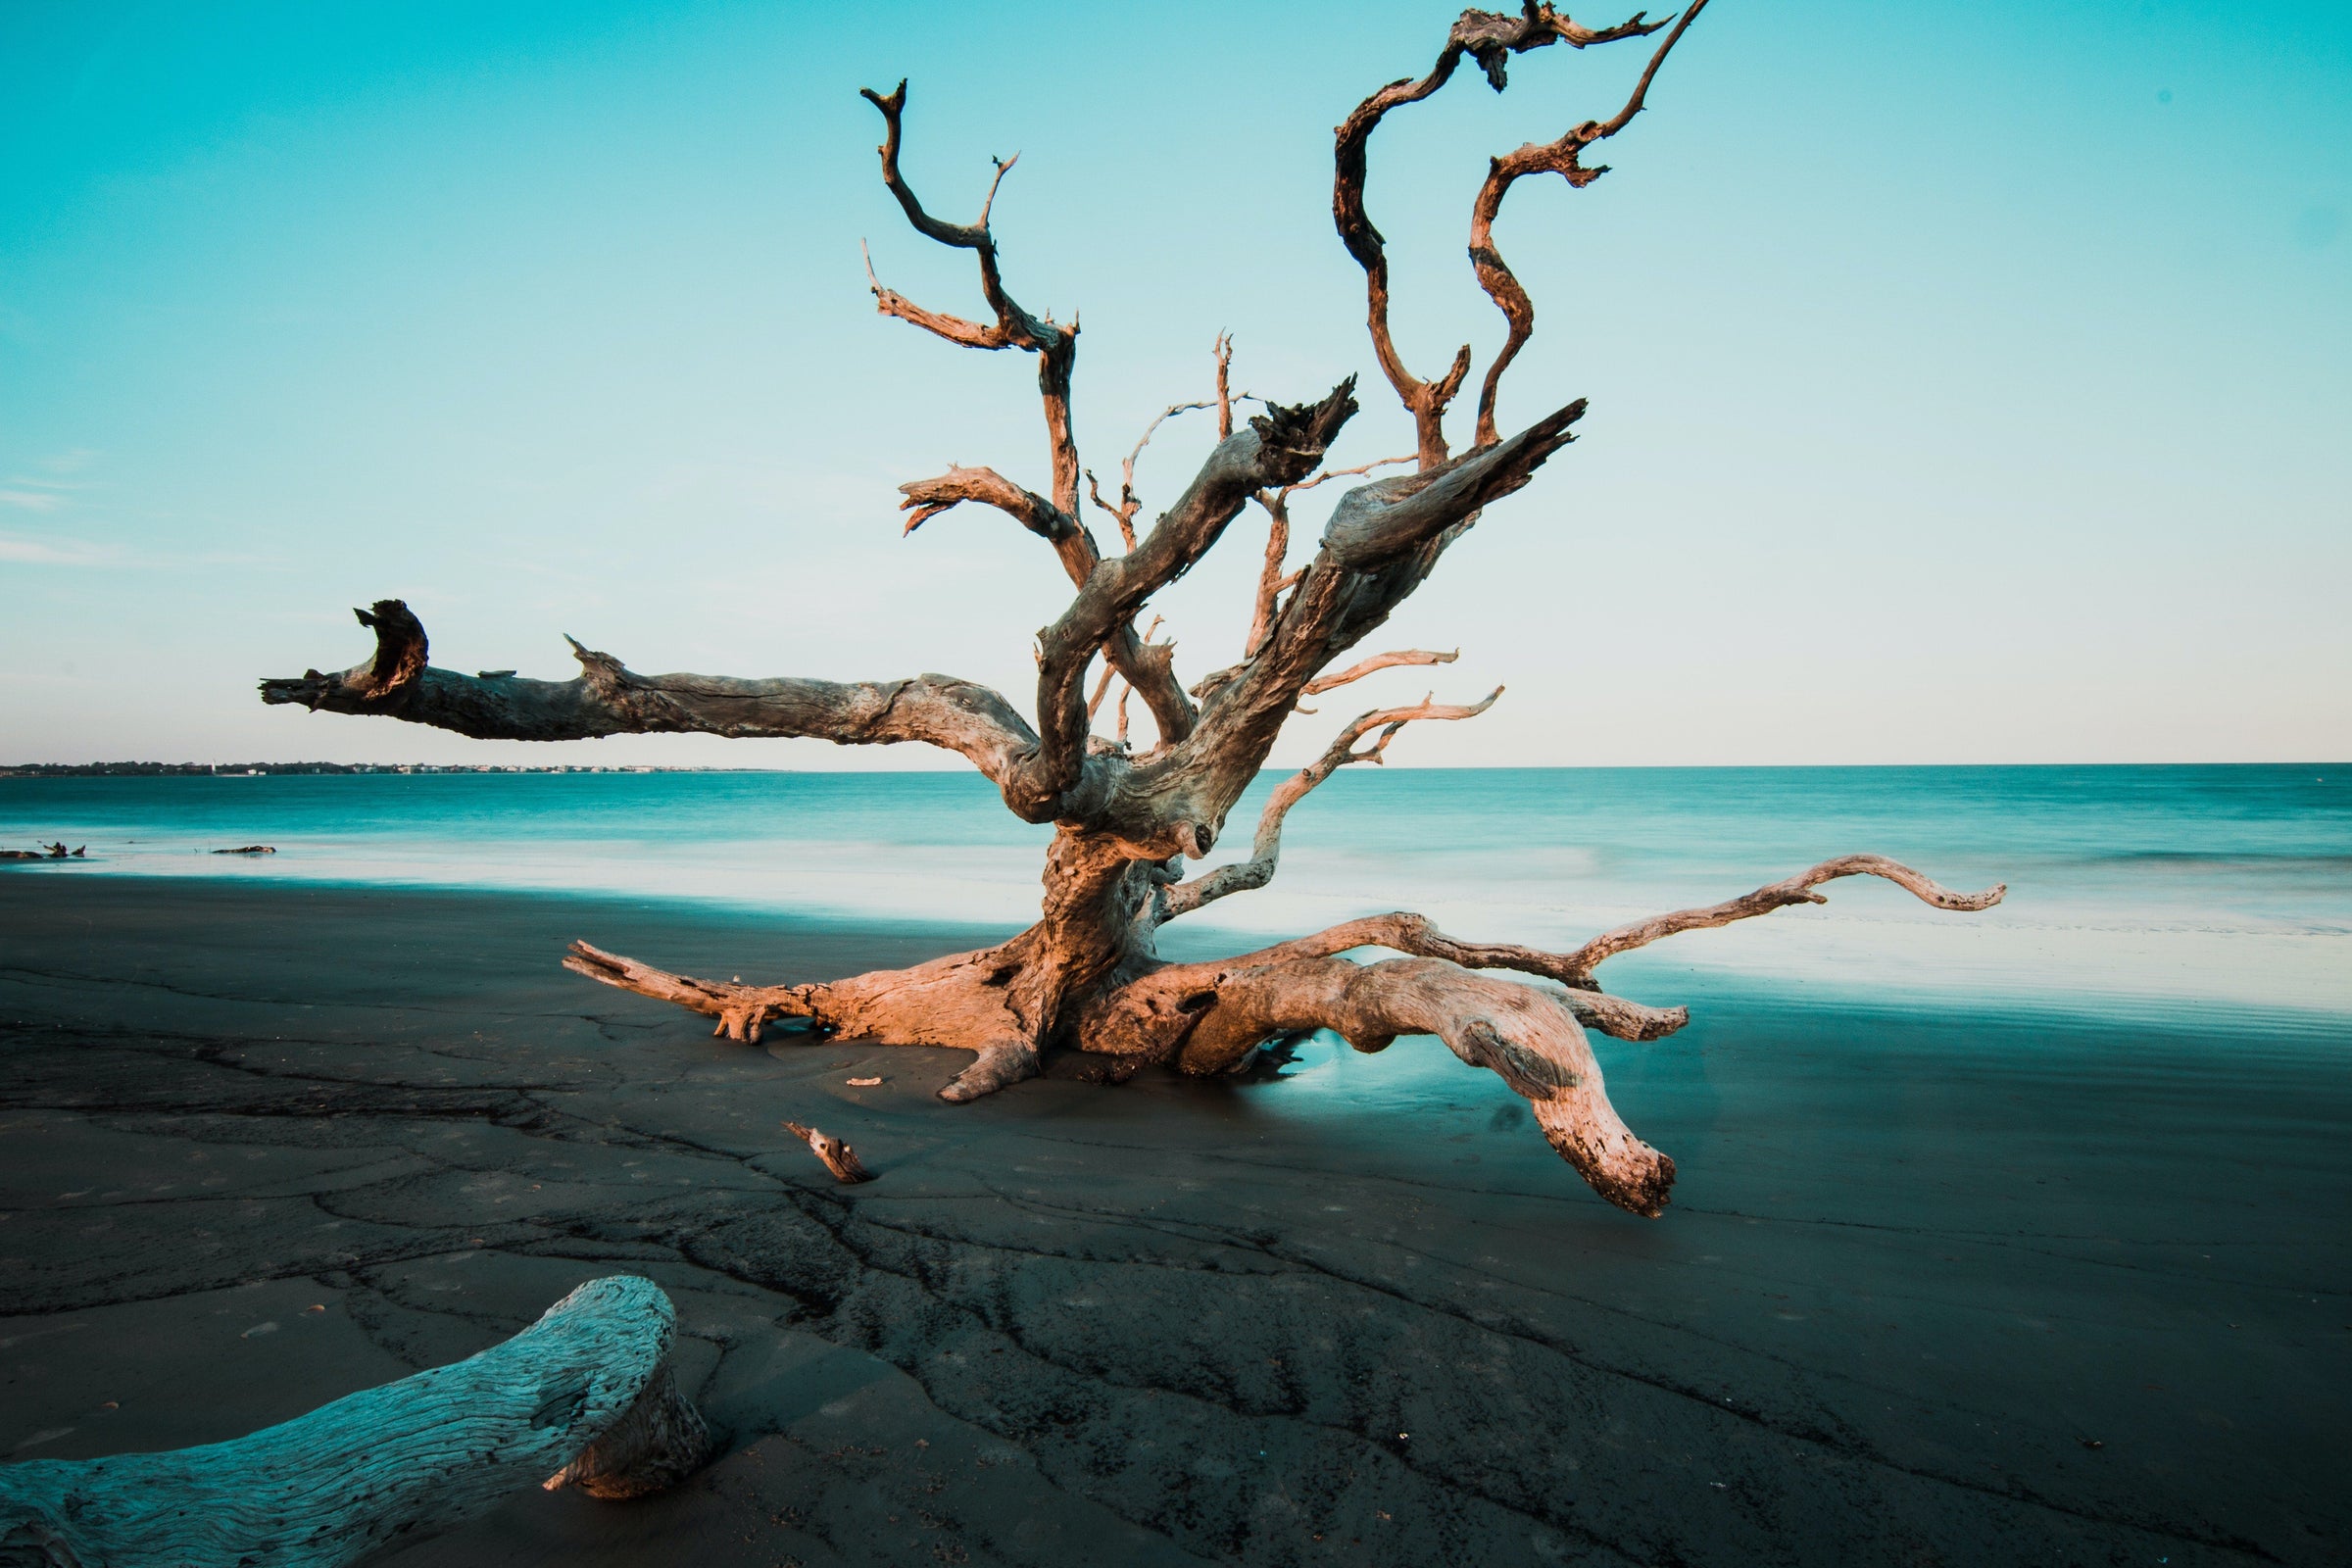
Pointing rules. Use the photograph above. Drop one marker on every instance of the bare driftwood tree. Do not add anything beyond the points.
(1129, 818)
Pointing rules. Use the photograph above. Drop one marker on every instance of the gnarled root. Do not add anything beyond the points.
(740, 1009)
(964, 1002)
(1208, 1018)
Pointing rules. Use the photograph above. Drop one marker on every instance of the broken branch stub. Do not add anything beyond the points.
(839, 1157)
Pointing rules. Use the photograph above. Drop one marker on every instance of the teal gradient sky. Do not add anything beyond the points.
(1969, 383)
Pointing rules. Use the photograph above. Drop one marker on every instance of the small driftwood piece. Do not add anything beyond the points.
(586, 1392)
(1134, 817)
(250, 849)
(839, 1157)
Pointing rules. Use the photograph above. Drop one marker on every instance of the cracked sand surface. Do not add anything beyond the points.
(265, 1146)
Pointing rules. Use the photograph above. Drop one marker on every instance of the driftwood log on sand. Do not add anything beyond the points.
(582, 1398)
(1132, 820)
(839, 1157)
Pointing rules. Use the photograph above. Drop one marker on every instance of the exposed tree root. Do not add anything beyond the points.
(1208, 1018)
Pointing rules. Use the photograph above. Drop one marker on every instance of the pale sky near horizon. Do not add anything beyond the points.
(1967, 384)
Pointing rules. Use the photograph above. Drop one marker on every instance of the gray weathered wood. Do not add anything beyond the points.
(585, 1393)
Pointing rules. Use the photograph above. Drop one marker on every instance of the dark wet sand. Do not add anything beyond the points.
(1936, 1289)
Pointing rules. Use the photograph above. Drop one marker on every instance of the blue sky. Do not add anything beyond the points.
(1969, 383)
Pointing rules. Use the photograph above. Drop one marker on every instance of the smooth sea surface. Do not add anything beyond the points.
(2216, 894)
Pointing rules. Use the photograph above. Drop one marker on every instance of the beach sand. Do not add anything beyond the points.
(1945, 1284)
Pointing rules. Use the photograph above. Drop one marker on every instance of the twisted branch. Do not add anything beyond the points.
(1560, 158)
(1491, 38)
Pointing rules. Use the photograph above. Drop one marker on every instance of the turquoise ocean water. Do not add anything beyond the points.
(2223, 892)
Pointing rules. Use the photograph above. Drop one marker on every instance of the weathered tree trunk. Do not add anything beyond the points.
(582, 1398)
(1087, 977)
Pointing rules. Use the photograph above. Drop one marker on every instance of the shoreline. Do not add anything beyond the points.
(1903, 1290)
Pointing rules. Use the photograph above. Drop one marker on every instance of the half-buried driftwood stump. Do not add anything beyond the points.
(583, 1398)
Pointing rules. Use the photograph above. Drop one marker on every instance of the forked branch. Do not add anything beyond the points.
(1014, 328)
(1279, 447)
(1130, 502)
(1055, 345)
(1150, 672)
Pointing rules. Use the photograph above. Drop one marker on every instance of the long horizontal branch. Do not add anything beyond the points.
(1797, 889)
(605, 698)
(1612, 1015)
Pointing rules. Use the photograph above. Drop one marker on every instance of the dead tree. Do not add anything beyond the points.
(1128, 821)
